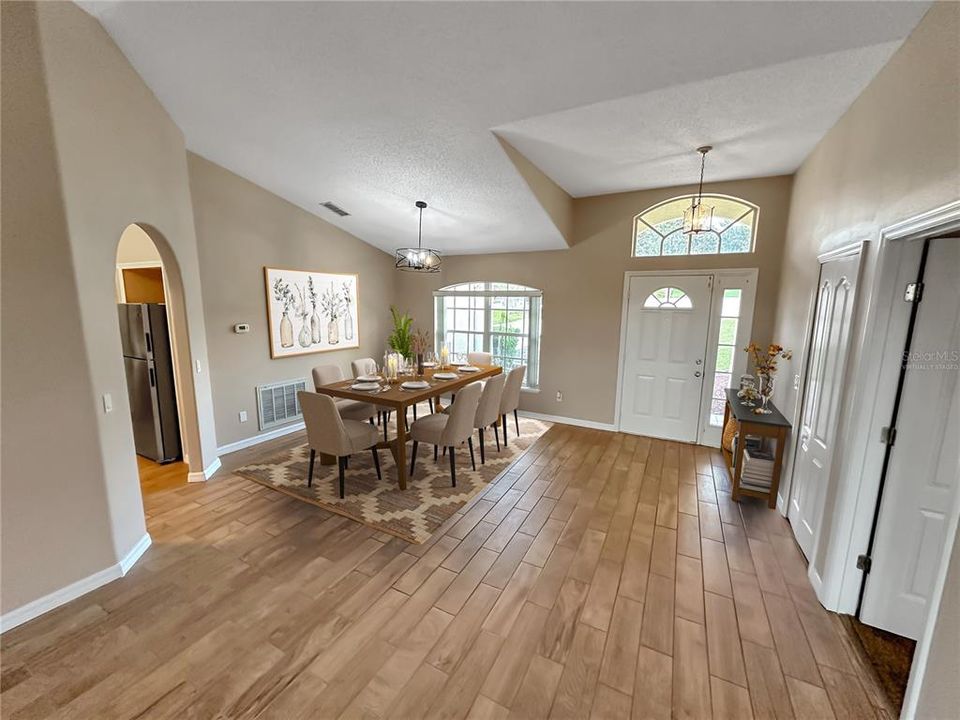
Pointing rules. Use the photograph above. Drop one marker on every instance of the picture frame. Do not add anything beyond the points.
(311, 311)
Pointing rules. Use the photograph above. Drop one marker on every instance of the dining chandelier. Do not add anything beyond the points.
(698, 217)
(419, 259)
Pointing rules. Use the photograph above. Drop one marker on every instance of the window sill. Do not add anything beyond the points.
(533, 391)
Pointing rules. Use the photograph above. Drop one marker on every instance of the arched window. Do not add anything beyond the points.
(668, 298)
(659, 230)
(495, 317)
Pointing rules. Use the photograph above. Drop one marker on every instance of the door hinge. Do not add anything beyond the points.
(913, 292)
(864, 562)
(888, 435)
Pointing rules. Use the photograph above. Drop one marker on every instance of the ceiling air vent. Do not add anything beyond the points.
(334, 208)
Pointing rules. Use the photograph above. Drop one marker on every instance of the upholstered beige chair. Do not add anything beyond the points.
(368, 366)
(349, 409)
(510, 400)
(488, 411)
(480, 358)
(328, 432)
(448, 430)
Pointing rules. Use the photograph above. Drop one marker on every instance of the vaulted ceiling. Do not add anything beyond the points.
(376, 105)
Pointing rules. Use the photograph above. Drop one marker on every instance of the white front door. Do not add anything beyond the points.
(663, 368)
(818, 421)
(921, 478)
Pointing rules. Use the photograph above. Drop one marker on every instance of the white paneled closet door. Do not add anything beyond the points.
(821, 402)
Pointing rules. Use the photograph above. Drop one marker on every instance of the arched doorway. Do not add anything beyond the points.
(145, 290)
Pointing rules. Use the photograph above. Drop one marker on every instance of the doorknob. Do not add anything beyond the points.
(697, 374)
(699, 361)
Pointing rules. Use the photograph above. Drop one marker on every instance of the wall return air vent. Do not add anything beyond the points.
(334, 208)
(277, 403)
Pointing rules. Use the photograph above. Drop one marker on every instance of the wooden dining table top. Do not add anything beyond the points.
(395, 396)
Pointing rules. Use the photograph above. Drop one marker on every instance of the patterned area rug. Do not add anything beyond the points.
(413, 514)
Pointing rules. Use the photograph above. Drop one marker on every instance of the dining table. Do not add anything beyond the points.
(392, 395)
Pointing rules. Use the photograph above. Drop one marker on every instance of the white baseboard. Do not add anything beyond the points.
(206, 473)
(593, 425)
(261, 438)
(45, 604)
(130, 559)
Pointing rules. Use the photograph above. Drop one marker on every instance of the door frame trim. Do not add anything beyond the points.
(753, 272)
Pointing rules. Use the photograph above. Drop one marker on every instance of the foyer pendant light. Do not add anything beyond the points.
(698, 217)
(419, 259)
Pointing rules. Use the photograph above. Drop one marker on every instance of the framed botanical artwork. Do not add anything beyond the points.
(310, 312)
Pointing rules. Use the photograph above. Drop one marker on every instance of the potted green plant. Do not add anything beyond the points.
(399, 339)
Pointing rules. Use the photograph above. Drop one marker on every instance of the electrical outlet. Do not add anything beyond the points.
(559, 396)
(243, 416)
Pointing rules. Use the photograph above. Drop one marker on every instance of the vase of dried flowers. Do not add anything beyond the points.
(419, 342)
(284, 295)
(765, 364)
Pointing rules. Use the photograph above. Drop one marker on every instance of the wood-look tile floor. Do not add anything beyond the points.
(603, 575)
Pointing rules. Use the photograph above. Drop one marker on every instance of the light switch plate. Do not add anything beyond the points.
(243, 416)
(107, 402)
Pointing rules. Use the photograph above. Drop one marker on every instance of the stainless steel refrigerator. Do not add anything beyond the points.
(149, 366)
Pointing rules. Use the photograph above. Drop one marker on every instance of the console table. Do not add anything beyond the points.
(774, 425)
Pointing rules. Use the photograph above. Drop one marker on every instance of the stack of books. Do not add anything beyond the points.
(757, 471)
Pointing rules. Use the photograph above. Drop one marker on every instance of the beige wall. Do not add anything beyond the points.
(240, 228)
(136, 247)
(87, 151)
(894, 154)
(583, 289)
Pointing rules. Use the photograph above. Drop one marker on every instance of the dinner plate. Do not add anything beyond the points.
(415, 385)
(469, 368)
(368, 378)
(444, 376)
(429, 364)
(364, 386)
(457, 363)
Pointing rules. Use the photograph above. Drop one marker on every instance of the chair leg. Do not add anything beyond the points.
(379, 416)
(376, 462)
(313, 457)
(505, 430)
(496, 434)
(483, 459)
(453, 469)
(413, 456)
(386, 422)
(430, 400)
(436, 452)
(414, 412)
(516, 421)
(473, 463)
(371, 421)
(342, 465)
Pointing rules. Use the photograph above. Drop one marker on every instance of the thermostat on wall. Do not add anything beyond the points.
(241, 328)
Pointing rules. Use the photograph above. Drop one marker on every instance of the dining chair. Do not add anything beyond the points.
(480, 358)
(510, 400)
(349, 409)
(368, 366)
(448, 430)
(329, 433)
(488, 411)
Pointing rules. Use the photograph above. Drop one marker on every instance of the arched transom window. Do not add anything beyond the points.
(659, 230)
(668, 298)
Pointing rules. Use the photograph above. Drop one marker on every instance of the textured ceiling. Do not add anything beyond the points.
(375, 105)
